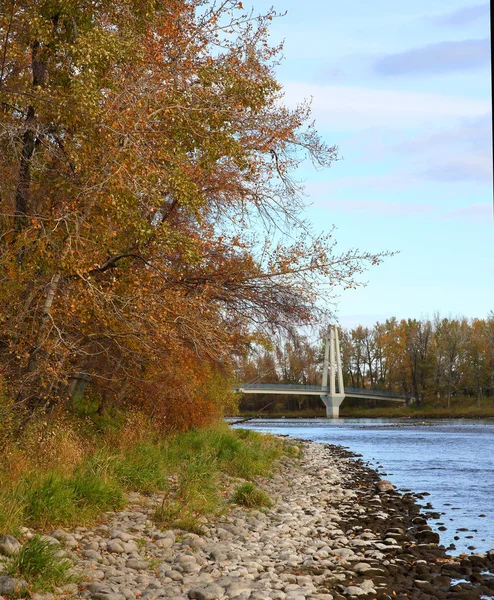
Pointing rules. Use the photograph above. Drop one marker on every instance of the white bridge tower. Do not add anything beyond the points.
(332, 359)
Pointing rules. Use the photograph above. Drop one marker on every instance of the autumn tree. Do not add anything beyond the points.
(145, 147)
(477, 369)
(450, 338)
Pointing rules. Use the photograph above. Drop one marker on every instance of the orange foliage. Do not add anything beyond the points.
(140, 142)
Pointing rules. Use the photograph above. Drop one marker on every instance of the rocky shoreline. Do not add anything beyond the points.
(335, 531)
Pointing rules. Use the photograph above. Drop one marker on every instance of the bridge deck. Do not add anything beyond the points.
(316, 390)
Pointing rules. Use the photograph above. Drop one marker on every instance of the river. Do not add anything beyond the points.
(451, 460)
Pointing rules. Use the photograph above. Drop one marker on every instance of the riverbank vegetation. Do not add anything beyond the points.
(63, 472)
(445, 364)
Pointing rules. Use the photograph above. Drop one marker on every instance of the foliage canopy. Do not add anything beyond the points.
(145, 147)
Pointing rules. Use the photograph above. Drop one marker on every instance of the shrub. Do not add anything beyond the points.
(250, 496)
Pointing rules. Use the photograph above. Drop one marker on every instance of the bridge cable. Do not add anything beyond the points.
(260, 376)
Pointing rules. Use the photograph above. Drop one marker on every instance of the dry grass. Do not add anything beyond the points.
(65, 471)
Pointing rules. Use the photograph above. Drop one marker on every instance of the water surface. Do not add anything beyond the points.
(452, 460)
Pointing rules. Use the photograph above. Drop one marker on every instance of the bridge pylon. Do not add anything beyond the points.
(332, 369)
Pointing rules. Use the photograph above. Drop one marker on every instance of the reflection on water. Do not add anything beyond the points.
(452, 460)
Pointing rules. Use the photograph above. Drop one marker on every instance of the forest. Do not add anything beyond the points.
(427, 359)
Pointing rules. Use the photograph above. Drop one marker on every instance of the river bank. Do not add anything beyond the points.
(363, 412)
(334, 531)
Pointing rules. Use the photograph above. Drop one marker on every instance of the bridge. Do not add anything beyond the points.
(328, 394)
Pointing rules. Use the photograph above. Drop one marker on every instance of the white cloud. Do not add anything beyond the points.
(440, 57)
(350, 107)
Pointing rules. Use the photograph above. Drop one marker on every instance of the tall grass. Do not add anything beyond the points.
(43, 493)
(39, 564)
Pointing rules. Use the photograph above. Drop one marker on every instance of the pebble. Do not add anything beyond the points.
(12, 586)
(9, 545)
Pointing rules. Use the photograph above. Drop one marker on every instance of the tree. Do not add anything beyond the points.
(140, 142)
(451, 337)
(476, 358)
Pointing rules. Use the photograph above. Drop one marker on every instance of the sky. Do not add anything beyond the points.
(404, 90)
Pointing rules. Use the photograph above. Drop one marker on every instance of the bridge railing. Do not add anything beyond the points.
(282, 386)
(349, 391)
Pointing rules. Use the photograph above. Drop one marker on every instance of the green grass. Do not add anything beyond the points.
(46, 500)
(201, 457)
(194, 461)
(250, 496)
(37, 562)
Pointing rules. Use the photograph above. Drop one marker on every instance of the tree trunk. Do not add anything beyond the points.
(28, 145)
(43, 323)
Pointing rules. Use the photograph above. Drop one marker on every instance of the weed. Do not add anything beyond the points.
(250, 496)
(37, 562)
(93, 489)
(154, 563)
(141, 468)
(174, 514)
(190, 522)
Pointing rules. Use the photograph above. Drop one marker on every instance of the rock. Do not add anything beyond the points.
(384, 486)
(121, 535)
(11, 586)
(136, 564)
(237, 588)
(9, 545)
(354, 590)
(367, 584)
(115, 547)
(50, 540)
(130, 546)
(344, 552)
(98, 587)
(428, 537)
(164, 542)
(108, 596)
(64, 537)
(94, 574)
(211, 592)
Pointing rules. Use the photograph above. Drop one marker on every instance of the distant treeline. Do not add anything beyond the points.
(427, 359)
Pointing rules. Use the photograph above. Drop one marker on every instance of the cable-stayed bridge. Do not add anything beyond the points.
(332, 370)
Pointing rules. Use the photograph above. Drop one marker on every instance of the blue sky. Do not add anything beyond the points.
(403, 88)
